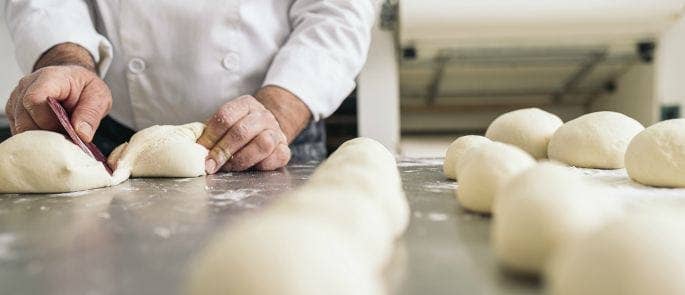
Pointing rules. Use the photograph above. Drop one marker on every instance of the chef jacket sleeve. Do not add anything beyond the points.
(324, 53)
(38, 25)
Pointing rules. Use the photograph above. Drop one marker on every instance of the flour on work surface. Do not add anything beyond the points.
(440, 186)
(621, 186)
(235, 195)
(432, 216)
(411, 162)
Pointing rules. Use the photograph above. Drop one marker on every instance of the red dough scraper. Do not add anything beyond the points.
(89, 148)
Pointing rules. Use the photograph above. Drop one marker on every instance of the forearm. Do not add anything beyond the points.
(66, 54)
(290, 112)
(324, 53)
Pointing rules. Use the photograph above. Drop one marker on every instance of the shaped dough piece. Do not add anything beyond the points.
(542, 208)
(47, 162)
(351, 212)
(486, 168)
(331, 236)
(277, 254)
(642, 253)
(367, 166)
(456, 149)
(595, 140)
(529, 129)
(656, 156)
(161, 151)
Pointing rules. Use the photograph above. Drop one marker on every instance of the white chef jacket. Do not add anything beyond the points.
(173, 62)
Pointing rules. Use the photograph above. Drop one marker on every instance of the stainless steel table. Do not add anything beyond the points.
(137, 238)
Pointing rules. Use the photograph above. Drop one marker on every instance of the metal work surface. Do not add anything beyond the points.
(138, 237)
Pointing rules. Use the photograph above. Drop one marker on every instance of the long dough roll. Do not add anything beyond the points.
(333, 235)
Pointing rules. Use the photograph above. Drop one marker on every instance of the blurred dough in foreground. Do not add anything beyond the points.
(642, 253)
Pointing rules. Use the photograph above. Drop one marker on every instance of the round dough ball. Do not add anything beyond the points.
(456, 149)
(529, 129)
(640, 254)
(281, 255)
(366, 165)
(161, 151)
(595, 140)
(486, 168)
(656, 156)
(46, 162)
(541, 208)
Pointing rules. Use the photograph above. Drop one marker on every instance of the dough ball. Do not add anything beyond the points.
(656, 156)
(47, 162)
(456, 149)
(484, 169)
(281, 255)
(350, 212)
(529, 129)
(367, 166)
(639, 254)
(541, 208)
(595, 140)
(161, 151)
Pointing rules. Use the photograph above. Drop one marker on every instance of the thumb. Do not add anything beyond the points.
(94, 103)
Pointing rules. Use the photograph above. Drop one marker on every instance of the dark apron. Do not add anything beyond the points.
(310, 145)
(4, 133)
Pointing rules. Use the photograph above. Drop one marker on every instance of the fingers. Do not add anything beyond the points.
(9, 111)
(11, 106)
(80, 91)
(93, 105)
(242, 134)
(239, 136)
(11, 122)
(260, 148)
(279, 158)
(22, 120)
(229, 114)
(46, 83)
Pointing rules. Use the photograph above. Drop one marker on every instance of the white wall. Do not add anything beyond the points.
(378, 92)
(9, 70)
(670, 65)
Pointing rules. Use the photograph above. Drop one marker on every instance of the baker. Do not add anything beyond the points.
(261, 74)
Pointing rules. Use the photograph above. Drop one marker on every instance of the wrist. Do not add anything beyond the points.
(66, 54)
(290, 112)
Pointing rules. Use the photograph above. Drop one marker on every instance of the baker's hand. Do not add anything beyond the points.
(65, 72)
(244, 134)
(82, 93)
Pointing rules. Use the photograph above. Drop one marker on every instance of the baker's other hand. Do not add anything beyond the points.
(244, 134)
(75, 84)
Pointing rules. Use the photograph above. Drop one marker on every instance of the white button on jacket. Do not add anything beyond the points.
(172, 62)
(136, 65)
(230, 62)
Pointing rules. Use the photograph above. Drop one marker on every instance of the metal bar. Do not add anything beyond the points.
(498, 93)
(521, 51)
(574, 80)
(434, 87)
(504, 62)
(499, 107)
